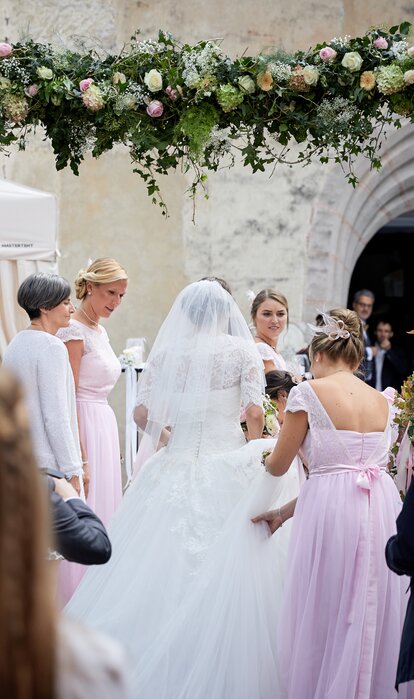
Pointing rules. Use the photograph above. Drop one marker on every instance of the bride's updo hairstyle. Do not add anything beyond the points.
(348, 349)
(263, 295)
(102, 271)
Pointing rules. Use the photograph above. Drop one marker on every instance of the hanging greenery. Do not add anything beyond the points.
(192, 107)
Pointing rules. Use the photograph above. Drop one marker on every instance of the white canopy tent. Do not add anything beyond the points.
(28, 243)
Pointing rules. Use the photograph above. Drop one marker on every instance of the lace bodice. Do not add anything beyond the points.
(268, 354)
(325, 446)
(236, 379)
(99, 368)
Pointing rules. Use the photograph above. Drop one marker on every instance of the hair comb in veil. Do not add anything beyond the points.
(331, 327)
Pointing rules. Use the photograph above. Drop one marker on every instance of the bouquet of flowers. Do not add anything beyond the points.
(271, 426)
(402, 451)
(131, 356)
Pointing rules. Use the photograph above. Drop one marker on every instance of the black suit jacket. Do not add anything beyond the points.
(79, 534)
(399, 553)
(393, 370)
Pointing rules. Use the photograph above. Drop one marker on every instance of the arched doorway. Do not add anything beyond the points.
(386, 267)
(344, 220)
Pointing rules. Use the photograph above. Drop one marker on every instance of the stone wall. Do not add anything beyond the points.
(253, 230)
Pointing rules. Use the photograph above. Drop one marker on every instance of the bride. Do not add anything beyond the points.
(203, 366)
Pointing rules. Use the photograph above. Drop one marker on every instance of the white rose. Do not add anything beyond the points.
(153, 80)
(45, 73)
(352, 61)
(271, 424)
(310, 75)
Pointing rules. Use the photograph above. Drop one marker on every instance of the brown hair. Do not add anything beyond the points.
(104, 270)
(351, 349)
(277, 381)
(268, 294)
(27, 608)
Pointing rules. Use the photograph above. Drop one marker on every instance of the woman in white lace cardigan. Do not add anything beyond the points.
(40, 361)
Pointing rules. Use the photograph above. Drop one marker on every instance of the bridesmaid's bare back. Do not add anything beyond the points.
(351, 404)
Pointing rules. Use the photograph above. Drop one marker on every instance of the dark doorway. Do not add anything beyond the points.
(386, 267)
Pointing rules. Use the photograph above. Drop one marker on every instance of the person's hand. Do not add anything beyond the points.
(374, 351)
(64, 488)
(75, 482)
(273, 519)
(86, 477)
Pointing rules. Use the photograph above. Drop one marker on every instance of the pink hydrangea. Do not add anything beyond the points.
(328, 53)
(155, 108)
(93, 99)
(381, 43)
(85, 84)
(5, 49)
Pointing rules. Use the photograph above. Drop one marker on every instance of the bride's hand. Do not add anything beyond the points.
(273, 519)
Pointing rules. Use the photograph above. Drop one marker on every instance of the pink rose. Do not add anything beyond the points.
(155, 108)
(381, 43)
(85, 84)
(32, 90)
(328, 53)
(410, 51)
(5, 49)
(172, 94)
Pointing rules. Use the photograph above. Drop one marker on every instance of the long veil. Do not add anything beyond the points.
(182, 367)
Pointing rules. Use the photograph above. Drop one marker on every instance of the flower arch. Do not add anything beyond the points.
(192, 107)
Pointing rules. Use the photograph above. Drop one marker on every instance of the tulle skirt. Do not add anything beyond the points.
(99, 434)
(193, 589)
(342, 615)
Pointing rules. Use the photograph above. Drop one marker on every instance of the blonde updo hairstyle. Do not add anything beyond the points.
(102, 271)
(350, 350)
(262, 296)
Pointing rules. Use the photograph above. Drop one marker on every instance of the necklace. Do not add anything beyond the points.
(94, 322)
(266, 343)
(347, 371)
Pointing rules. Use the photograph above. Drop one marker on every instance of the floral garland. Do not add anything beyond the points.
(404, 402)
(180, 106)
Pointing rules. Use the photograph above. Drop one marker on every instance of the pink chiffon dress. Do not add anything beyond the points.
(341, 623)
(99, 372)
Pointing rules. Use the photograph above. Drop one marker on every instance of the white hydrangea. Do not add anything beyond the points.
(201, 62)
(399, 48)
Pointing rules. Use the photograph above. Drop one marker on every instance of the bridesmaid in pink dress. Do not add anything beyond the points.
(96, 369)
(270, 315)
(342, 615)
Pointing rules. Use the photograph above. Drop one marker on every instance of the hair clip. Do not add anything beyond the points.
(332, 328)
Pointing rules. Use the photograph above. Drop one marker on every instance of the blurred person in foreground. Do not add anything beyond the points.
(42, 656)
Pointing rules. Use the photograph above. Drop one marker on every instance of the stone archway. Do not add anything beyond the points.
(343, 219)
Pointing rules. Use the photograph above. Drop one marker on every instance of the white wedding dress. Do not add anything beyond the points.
(176, 558)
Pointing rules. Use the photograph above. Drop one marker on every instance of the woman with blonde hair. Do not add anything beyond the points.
(270, 316)
(100, 289)
(342, 615)
(41, 655)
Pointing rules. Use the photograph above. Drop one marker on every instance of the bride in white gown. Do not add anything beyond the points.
(172, 522)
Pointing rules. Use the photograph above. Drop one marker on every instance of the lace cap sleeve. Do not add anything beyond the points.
(297, 399)
(72, 332)
(266, 352)
(252, 379)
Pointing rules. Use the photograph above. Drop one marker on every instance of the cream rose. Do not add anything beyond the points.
(153, 80)
(409, 77)
(352, 61)
(310, 75)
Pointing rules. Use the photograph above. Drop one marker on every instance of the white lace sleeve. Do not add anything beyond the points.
(69, 333)
(266, 352)
(297, 399)
(252, 379)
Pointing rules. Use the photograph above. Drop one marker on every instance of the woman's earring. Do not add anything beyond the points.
(89, 293)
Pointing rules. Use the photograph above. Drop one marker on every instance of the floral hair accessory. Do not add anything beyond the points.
(333, 328)
(251, 295)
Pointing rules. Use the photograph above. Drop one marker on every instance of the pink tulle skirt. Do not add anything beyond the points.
(99, 434)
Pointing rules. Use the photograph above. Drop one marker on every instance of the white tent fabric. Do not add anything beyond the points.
(28, 243)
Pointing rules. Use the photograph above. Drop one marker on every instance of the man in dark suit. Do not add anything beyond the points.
(363, 304)
(389, 362)
(399, 553)
(79, 534)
